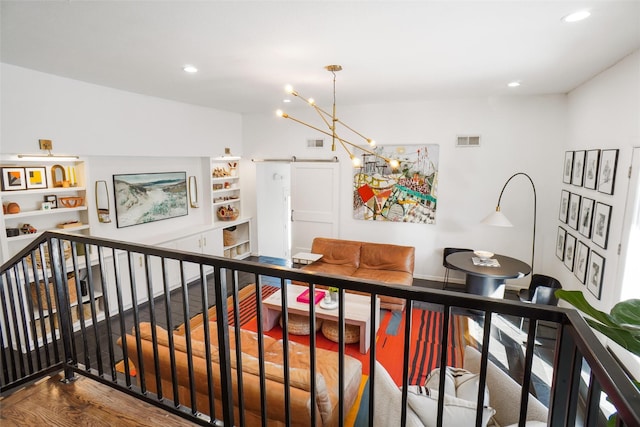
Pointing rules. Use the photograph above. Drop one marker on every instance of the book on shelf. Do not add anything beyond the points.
(304, 296)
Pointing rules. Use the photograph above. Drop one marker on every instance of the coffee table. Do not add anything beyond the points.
(358, 312)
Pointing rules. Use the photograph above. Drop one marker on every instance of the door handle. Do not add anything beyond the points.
(291, 215)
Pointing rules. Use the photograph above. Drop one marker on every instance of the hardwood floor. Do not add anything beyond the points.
(80, 403)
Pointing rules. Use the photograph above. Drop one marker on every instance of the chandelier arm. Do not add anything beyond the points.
(353, 130)
(308, 125)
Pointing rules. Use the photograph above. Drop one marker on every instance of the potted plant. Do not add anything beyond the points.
(621, 325)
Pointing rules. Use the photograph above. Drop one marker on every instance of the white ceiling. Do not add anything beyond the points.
(391, 51)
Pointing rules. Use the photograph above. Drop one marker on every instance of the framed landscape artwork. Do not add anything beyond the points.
(562, 234)
(574, 210)
(569, 251)
(601, 221)
(596, 271)
(586, 216)
(564, 206)
(581, 262)
(591, 169)
(607, 172)
(568, 167)
(578, 168)
(147, 197)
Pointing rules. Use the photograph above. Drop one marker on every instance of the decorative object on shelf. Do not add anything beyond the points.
(607, 173)
(58, 176)
(71, 202)
(52, 199)
(591, 169)
(601, 222)
(46, 144)
(28, 229)
(577, 177)
(233, 168)
(13, 208)
(595, 275)
(13, 179)
(70, 224)
(404, 195)
(228, 213)
(45, 206)
(36, 177)
(66, 252)
(497, 218)
(71, 176)
(39, 294)
(102, 202)
(229, 236)
(148, 197)
(331, 121)
(13, 232)
(193, 192)
(220, 173)
(568, 167)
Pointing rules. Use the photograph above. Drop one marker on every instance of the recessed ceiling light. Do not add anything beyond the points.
(190, 69)
(514, 84)
(286, 100)
(577, 16)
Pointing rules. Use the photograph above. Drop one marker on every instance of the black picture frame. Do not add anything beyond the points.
(13, 179)
(560, 240)
(52, 199)
(596, 273)
(607, 171)
(601, 223)
(563, 213)
(581, 263)
(586, 217)
(577, 176)
(591, 164)
(569, 251)
(567, 167)
(574, 210)
(170, 198)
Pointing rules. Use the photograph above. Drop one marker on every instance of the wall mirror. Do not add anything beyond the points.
(193, 192)
(58, 175)
(102, 201)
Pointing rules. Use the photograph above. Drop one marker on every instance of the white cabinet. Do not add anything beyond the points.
(237, 239)
(207, 243)
(68, 211)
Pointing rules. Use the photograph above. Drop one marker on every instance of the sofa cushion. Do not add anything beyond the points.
(457, 412)
(334, 251)
(327, 268)
(458, 383)
(380, 256)
(387, 276)
(505, 392)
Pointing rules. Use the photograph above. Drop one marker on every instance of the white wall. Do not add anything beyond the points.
(519, 134)
(604, 113)
(115, 132)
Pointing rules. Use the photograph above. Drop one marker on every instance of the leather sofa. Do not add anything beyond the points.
(382, 262)
(326, 404)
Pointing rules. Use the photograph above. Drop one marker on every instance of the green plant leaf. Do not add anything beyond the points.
(577, 299)
(627, 312)
(620, 335)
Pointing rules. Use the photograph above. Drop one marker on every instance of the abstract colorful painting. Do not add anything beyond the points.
(405, 194)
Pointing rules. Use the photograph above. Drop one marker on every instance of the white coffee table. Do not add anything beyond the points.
(358, 312)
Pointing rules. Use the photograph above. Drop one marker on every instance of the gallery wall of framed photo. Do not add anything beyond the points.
(585, 214)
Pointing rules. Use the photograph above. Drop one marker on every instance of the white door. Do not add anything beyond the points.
(273, 209)
(314, 203)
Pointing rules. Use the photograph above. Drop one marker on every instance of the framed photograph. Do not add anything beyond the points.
(148, 197)
(564, 206)
(567, 167)
(574, 210)
(578, 168)
(569, 251)
(596, 271)
(36, 177)
(607, 172)
(562, 235)
(601, 221)
(52, 199)
(13, 179)
(582, 262)
(591, 169)
(586, 217)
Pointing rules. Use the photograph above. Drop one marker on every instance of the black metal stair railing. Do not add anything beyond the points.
(66, 300)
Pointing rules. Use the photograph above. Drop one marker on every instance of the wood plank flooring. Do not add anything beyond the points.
(83, 402)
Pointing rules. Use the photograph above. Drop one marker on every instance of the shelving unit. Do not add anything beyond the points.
(225, 187)
(237, 239)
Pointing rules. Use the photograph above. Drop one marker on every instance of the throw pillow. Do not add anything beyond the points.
(457, 412)
(459, 383)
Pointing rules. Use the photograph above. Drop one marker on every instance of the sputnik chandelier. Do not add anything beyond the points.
(331, 121)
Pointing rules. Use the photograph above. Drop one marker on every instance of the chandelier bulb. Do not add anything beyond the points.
(371, 142)
(356, 161)
(289, 89)
(281, 113)
(394, 164)
(311, 101)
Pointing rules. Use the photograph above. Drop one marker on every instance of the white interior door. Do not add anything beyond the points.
(314, 203)
(273, 209)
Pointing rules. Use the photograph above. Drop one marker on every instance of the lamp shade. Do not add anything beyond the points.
(497, 219)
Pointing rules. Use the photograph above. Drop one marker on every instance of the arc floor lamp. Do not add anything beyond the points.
(497, 218)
